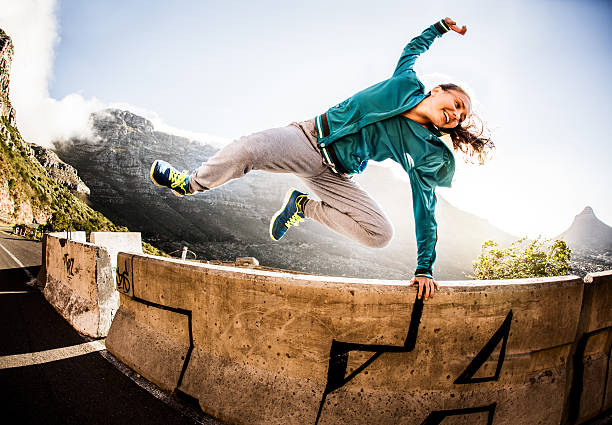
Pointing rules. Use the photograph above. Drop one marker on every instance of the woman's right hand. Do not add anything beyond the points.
(453, 25)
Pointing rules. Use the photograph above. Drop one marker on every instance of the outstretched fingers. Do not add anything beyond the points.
(427, 286)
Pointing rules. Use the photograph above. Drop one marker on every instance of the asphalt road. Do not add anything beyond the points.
(55, 383)
(27, 252)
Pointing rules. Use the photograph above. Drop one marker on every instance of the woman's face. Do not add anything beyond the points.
(448, 108)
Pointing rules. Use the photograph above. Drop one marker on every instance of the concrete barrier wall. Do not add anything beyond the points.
(592, 389)
(115, 242)
(77, 236)
(258, 347)
(41, 278)
(80, 284)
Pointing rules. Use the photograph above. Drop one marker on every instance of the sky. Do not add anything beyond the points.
(538, 73)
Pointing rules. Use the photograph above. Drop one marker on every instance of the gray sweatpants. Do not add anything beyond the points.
(344, 206)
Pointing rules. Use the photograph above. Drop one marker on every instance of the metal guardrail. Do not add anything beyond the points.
(26, 230)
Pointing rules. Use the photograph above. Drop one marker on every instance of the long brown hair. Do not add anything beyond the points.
(469, 137)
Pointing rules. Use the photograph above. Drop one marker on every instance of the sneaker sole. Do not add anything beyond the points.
(160, 185)
(285, 201)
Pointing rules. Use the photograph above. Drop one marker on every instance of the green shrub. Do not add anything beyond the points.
(538, 258)
(147, 248)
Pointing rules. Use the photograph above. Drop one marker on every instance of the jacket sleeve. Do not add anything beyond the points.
(419, 45)
(425, 225)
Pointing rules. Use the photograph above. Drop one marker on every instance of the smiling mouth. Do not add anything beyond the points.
(446, 116)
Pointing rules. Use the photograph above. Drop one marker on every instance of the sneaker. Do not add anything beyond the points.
(164, 174)
(291, 214)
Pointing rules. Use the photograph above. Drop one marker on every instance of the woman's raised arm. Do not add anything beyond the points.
(421, 43)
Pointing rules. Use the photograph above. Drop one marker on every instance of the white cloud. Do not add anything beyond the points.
(32, 26)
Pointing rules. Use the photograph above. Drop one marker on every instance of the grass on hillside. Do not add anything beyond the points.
(29, 182)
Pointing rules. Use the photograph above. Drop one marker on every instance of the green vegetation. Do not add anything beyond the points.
(92, 221)
(29, 183)
(538, 258)
(147, 248)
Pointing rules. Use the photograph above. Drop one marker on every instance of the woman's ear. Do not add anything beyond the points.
(436, 90)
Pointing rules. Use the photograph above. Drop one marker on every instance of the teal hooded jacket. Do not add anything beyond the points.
(369, 125)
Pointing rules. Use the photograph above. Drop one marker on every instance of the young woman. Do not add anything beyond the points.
(393, 119)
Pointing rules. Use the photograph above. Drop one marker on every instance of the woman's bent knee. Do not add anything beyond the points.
(380, 241)
(381, 238)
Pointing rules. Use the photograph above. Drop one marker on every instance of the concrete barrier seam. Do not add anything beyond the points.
(577, 380)
(124, 285)
(605, 389)
(189, 321)
(577, 387)
(571, 385)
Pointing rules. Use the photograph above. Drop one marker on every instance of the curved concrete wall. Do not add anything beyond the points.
(259, 347)
(592, 371)
(80, 285)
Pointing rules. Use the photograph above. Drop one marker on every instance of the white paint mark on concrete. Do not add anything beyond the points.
(40, 357)
(31, 279)
(16, 292)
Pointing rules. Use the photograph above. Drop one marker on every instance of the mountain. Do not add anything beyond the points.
(232, 220)
(6, 58)
(29, 192)
(590, 240)
(588, 232)
(65, 174)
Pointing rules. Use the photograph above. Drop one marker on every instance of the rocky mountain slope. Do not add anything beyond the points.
(65, 174)
(30, 193)
(588, 232)
(6, 57)
(232, 221)
(590, 240)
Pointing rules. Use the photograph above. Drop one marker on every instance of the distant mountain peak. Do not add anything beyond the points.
(126, 119)
(587, 211)
(588, 232)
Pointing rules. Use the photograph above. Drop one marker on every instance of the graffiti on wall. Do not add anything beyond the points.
(69, 264)
(123, 280)
(339, 355)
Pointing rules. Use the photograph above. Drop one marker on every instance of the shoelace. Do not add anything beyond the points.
(295, 220)
(177, 179)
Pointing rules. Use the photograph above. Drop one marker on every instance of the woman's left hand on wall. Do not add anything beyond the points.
(427, 286)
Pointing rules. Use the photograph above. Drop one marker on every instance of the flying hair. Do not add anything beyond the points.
(470, 136)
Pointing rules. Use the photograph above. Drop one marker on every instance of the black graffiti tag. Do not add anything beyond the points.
(69, 263)
(501, 335)
(123, 282)
(436, 418)
(467, 377)
(339, 355)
